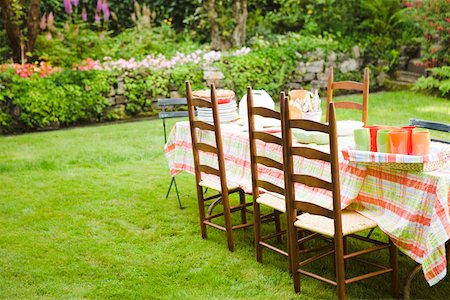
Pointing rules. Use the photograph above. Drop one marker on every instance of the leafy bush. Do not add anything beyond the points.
(57, 100)
(438, 82)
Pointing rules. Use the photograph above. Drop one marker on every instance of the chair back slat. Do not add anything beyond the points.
(348, 105)
(265, 112)
(267, 137)
(171, 101)
(308, 125)
(209, 170)
(270, 187)
(268, 162)
(172, 114)
(313, 209)
(206, 148)
(310, 153)
(203, 125)
(348, 85)
(199, 102)
(312, 181)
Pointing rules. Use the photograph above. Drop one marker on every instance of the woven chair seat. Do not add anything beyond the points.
(352, 222)
(272, 201)
(215, 185)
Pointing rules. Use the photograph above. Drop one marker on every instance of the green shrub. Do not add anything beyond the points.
(438, 82)
(187, 72)
(58, 100)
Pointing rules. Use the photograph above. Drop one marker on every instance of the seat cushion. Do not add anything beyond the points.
(215, 185)
(352, 222)
(272, 201)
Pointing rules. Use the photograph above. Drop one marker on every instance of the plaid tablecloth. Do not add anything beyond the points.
(412, 208)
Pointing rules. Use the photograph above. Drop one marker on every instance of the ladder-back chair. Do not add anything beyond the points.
(352, 86)
(218, 180)
(334, 223)
(275, 196)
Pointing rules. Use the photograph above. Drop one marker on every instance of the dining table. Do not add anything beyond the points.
(412, 208)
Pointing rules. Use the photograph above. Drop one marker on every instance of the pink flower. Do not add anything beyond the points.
(106, 12)
(43, 23)
(68, 7)
(75, 2)
(99, 5)
(97, 18)
(50, 22)
(48, 36)
(84, 14)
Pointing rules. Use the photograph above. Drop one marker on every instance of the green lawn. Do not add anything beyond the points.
(83, 215)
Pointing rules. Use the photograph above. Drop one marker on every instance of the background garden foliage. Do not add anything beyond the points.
(156, 45)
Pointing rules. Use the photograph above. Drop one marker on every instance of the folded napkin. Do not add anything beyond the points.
(310, 137)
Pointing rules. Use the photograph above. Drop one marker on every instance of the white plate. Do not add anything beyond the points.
(346, 128)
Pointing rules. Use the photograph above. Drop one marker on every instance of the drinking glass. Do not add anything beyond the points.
(420, 141)
(409, 129)
(383, 144)
(362, 139)
(398, 140)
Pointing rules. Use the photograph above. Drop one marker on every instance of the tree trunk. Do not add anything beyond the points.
(240, 14)
(33, 24)
(216, 39)
(13, 30)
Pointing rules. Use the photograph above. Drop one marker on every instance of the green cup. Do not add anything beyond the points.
(383, 144)
(362, 139)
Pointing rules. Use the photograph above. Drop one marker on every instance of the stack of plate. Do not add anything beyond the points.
(227, 112)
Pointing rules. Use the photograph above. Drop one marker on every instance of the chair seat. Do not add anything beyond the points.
(352, 222)
(215, 185)
(272, 201)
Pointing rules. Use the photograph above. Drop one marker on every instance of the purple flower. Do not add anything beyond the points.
(99, 5)
(43, 23)
(84, 14)
(97, 18)
(106, 12)
(68, 6)
(75, 2)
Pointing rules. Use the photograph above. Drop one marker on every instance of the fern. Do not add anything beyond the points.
(439, 81)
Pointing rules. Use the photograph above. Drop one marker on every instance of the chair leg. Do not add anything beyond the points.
(339, 269)
(293, 255)
(174, 182)
(201, 211)
(394, 275)
(170, 187)
(257, 230)
(345, 248)
(278, 226)
(243, 210)
(228, 227)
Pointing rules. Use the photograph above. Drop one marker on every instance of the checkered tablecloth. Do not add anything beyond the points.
(412, 208)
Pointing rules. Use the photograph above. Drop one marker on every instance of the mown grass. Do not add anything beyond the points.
(83, 215)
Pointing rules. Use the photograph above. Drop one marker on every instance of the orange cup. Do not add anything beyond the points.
(410, 129)
(420, 142)
(398, 140)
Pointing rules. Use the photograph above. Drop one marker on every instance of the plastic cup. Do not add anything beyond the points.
(373, 137)
(398, 140)
(383, 144)
(410, 129)
(362, 139)
(420, 141)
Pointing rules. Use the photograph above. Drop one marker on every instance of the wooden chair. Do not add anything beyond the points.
(350, 85)
(333, 223)
(275, 198)
(219, 181)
